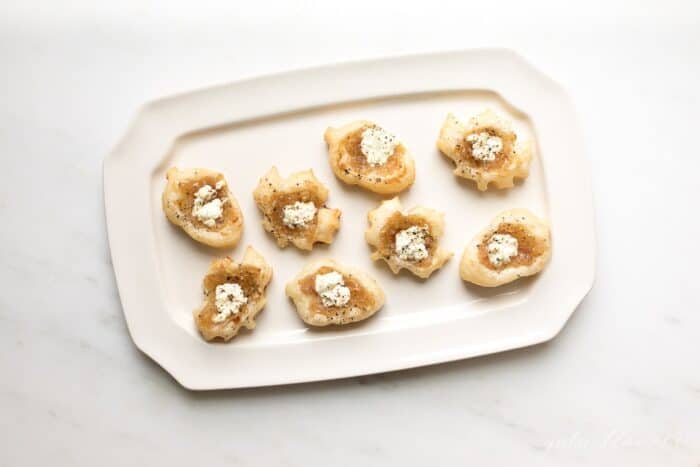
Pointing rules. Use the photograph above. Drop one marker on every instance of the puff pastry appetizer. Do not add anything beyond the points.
(234, 293)
(363, 153)
(199, 201)
(516, 244)
(407, 239)
(326, 293)
(294, 209)
(485, 149)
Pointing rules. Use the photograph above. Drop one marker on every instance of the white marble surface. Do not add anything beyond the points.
(619, 386)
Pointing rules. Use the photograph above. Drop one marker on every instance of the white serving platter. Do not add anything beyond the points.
(243, 128)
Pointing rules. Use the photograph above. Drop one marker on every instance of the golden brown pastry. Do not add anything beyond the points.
(199, 201)
(516, 244)
(234, 293)
(294, 209)
(365, 154)
(407, 239)
(325, 293)
(485, 149)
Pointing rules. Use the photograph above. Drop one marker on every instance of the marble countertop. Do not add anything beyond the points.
(619, 386)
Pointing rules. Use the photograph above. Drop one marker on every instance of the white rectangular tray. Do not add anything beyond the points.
(242, 129)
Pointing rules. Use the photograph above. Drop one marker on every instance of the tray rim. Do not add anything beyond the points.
(153, 111)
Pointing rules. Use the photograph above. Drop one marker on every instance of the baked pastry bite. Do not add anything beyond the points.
(485, 149)
(325, 292)
(294, 209)
(407, 239)
(363, 153)
(516, 244)
(199, 201)
(234, 293)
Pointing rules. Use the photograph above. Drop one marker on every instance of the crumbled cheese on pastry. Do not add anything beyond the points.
(299, 215)
(205, 193)
(207, 207)
(331, 288)
(220, 184)
(410, 244)
(229, 300)
(210, 212)
(377, 145)
(501, 249)
(485, 147)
